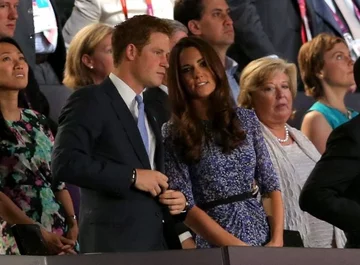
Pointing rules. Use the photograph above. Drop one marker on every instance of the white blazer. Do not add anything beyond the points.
(110, 12)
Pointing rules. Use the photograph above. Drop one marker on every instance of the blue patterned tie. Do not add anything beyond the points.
(141, 122)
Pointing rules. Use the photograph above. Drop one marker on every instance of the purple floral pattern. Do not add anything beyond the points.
(218, 175)
(25, 177)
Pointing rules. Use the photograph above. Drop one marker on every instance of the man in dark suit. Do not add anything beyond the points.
(332, 191)
(263, 28)
(108, 146)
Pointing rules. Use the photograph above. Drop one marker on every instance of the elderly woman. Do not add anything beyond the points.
(326, 69)
(89, 59)
(214, 152)
(268, 85)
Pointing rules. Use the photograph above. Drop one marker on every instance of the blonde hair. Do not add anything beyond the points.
(84, 42)
(257, 72)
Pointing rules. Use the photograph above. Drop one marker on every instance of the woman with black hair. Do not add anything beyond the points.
(27, 194)
(214, 152)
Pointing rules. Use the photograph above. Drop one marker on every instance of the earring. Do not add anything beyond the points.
(91, 67)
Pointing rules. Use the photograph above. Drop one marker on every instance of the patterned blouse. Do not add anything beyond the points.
(25, 177)
(218, 175)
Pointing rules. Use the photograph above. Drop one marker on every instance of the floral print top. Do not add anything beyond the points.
(25, 177)
(220, 175)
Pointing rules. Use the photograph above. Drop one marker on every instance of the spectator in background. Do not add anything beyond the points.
(214, 152)
(265, 28)
(157, 97)
(39, 34)
(210, 20)
(331, 192)
(89, 59)
(268, 85)
(326, 69)
(112, 12)
(27, 192)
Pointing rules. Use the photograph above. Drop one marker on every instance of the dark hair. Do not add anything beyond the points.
(187, 128)
(311, 61)
(357, 73)
(186, 10)
(136, 31)
(5, 132)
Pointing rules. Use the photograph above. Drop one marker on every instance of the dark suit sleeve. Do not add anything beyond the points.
(80, 125)
(250, 36)
(326, 192)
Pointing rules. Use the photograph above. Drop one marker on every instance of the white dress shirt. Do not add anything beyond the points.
(128, 95)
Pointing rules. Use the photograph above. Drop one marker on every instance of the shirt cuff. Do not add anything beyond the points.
(184, 236)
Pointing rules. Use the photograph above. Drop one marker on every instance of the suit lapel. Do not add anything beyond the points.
(324, 11)
(127, 120)
(159, 150)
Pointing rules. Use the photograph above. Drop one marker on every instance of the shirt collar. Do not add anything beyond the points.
(127, 94)
(230, 65)
(164, 88)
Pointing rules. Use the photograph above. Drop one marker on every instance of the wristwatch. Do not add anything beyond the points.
(186, 207)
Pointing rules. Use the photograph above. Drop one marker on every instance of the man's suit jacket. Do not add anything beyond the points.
(321, 18)
(158, 101)
(24, 35)
(332, 191)
(97, 147)
(264, 27)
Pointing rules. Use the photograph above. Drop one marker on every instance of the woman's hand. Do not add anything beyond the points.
(274, 243)
(57, 244)
(174, 200)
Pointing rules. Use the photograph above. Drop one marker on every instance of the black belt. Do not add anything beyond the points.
(236, 198)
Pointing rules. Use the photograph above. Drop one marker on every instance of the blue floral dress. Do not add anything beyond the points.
(218, 175)
(25, 177)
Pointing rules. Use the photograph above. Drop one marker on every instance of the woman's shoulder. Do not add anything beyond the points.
(247, 117)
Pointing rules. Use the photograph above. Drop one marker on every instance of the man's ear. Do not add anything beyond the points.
(194, 27)
(131, 52)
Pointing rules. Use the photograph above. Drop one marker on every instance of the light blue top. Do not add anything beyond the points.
(333, 116)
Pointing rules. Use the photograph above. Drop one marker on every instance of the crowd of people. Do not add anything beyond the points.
(171, 130)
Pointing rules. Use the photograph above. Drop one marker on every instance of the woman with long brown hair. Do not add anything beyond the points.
(214, 152)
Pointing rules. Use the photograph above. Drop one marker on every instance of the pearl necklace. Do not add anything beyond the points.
(286, 136)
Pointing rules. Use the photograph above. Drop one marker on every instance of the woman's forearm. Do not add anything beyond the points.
(276, 219)
(11, 213)
(64, 198)
(207, 228)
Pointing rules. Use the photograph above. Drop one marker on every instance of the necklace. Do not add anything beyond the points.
(286, 136)
(348, 114)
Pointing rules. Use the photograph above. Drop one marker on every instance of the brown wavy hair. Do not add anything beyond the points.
(188, 130)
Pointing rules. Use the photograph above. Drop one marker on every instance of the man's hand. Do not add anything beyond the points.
(174, 200)
(151, 181)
